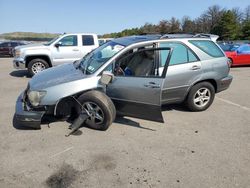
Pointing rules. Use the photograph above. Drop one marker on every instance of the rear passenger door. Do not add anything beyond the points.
(87, 44)
(184, 69)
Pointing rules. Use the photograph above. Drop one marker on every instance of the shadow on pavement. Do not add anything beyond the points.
(20, 73)
(129, 122)
(177, 107)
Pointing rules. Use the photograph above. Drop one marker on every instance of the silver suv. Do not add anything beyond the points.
(131, 76)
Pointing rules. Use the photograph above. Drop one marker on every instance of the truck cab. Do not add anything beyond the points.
(65, 48)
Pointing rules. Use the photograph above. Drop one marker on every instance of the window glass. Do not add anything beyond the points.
(181, 54)
(69, 40)
(139, 62)
(98, 57)
(5, 44)
(87, 40)
(208, 47)
(245, 49)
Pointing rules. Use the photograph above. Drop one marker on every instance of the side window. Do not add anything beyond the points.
(181, 54)
(208, 47)
(70, 40)
(5, 44)
(87, 40)
(14, 44)
(141, 62)
(244, 49)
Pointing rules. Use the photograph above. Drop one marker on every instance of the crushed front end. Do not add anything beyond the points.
(28, 116)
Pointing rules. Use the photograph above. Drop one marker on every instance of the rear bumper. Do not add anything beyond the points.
(19, 63)
(224, 83)
(26, 118)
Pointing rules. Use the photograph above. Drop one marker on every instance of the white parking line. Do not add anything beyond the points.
(59, 153)
(234, 104)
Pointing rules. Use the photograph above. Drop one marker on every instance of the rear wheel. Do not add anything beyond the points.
(201, 96)
(37, 65)
(100, 109)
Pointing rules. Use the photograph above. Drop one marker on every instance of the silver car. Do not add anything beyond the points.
(130, 76)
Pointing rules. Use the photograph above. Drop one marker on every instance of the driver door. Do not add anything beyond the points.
(137, 92)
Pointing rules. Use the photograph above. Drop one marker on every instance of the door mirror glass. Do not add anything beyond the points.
(107, 77)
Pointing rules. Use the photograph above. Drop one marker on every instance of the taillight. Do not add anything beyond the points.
(229, 62)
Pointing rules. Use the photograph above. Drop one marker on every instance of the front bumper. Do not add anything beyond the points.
(24, 117)
(224, 83)
(19, 63)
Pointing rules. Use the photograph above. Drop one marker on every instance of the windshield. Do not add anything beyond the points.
(50, 42)
(95, 59)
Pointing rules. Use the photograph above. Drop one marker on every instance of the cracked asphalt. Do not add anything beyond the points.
(191, 149)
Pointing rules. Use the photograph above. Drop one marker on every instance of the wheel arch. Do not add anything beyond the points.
(211, 81)
(44, 57)
(67, 105)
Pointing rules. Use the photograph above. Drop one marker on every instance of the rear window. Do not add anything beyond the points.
(87, 40)
(208, 47)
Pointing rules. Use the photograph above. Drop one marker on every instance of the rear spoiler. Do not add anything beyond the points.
(198, 35)
(211, 36)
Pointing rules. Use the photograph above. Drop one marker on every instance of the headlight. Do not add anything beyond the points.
(17, 53)
(35, 97)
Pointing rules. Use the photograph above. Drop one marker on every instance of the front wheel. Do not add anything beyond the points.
(37, 65)
(100, 109)
(200, 97)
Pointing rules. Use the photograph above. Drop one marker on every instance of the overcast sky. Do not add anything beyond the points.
(58, 16)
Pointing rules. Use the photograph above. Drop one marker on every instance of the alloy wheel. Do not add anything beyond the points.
(96, 115)
(38, 67)
(202, 97)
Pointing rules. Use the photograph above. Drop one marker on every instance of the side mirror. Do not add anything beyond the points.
(58, 44)
(107, 77)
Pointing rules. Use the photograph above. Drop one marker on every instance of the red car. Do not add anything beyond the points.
(6, 48)
(240, 55)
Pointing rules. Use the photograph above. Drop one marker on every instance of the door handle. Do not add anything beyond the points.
(195, 67)
(152, 85)
(75, 50)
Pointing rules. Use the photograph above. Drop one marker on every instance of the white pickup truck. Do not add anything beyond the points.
(63, 49)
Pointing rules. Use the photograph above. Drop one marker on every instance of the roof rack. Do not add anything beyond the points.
(198, 35)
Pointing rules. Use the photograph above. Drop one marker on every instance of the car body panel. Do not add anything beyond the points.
(137, 97)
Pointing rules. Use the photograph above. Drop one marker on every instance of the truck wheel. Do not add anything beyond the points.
(37, 65)
(200, 97)
(100, 108)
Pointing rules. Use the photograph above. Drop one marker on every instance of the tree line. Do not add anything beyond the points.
(229, 24)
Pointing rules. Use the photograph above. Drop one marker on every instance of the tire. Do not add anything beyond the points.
(200, 96)
(96, 102)
(37, 65)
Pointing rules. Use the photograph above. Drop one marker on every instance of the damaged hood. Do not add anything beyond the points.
(55, 76)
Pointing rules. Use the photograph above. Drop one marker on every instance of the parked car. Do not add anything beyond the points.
(239, 55)
(228, 47)
(6, 48)
(63, 49)
(132, 76)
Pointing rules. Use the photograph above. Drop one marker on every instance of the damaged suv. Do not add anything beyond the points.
(131, 76)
